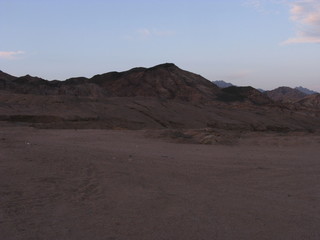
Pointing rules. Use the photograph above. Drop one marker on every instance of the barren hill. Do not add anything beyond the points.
(285, 94)
(165, 81)
(248, 94)
(163, 96)
(310, 101)
(305, 90)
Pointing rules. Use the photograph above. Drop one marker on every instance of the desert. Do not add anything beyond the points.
(156, 153)
(160, 120)
(125, 184)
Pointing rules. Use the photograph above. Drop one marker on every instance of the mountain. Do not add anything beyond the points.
(245, 94)
(305, 90)
(222, 84)
(310, 101)
(285, 94)
(5, 76)
(261, 90)
(163, 96)
(165, 81)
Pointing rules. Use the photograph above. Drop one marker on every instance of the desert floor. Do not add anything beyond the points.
(118, 184)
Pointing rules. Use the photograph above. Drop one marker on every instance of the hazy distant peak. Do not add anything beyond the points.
(222, 84)
(306, 90)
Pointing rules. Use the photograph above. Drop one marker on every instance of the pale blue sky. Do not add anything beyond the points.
(263, 43)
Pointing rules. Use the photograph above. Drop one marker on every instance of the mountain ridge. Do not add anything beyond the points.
(163, 96)
(164, 81)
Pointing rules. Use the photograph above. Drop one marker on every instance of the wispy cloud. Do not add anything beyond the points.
(11, 54)
(306, 16)
(144, 33)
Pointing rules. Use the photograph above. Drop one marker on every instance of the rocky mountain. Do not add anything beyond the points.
(285, 94)
(310, 101)
(306, 90)
(5, 76)
(222, 84)
(165, 81)
(244, 94)
(261, 90)
(163, 96)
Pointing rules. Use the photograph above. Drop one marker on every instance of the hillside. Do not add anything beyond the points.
(306, 90)
(222, 84)
(165, 81)
(310, 101)
(285, 94)
(163, 96)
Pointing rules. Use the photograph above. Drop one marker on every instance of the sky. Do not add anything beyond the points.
(261, 43)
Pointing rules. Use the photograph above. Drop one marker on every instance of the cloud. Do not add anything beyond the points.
(306, 16)
(11, 54)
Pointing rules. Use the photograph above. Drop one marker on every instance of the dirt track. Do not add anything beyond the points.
(102, 184)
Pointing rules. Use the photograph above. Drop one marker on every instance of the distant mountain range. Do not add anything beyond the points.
(223, 84)
(285, 94)
(306, 90)
(163, 96)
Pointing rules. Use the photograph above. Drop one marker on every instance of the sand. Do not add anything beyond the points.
(106, 184)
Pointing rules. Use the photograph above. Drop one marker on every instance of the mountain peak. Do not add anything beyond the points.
(164, 66)
(306, 90)
(222, 84)
(166, 81)
(6, 76)
(285, 94)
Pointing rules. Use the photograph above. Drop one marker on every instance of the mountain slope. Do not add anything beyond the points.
(244, 94)
(310, 101)
(163, 96)
(285, 94)
(6, 76)
(306, 90)
(165, 81)
(222, 84)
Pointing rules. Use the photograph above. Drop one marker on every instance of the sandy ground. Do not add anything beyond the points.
(102, 184)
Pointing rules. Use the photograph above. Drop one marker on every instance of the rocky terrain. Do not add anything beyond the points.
(222, 84)
(285, 94)
(201, 163)
(163, 96)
